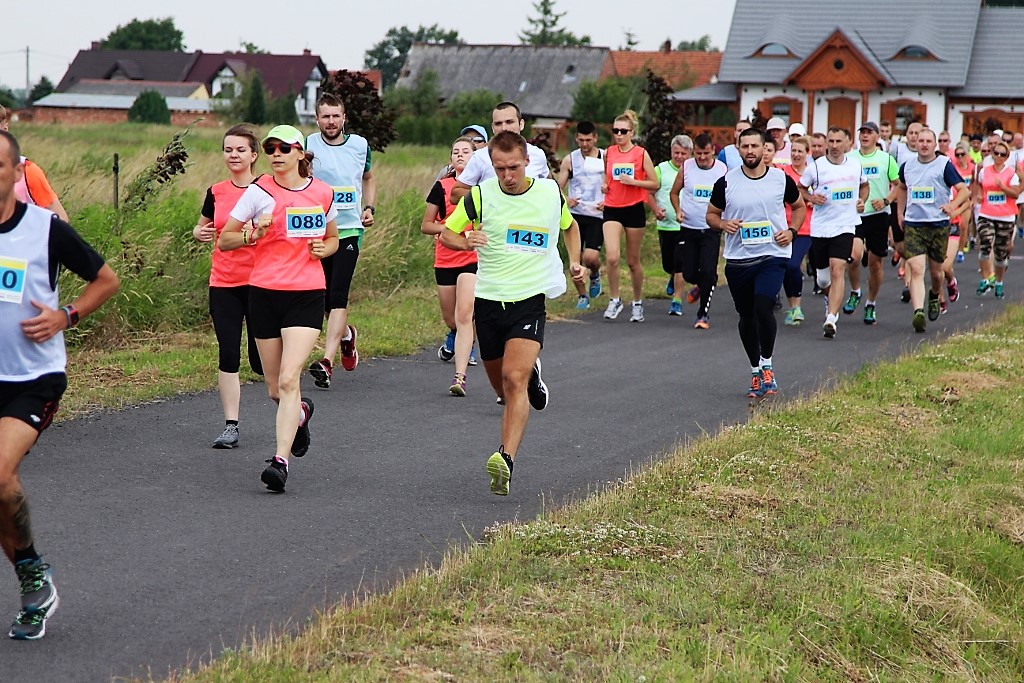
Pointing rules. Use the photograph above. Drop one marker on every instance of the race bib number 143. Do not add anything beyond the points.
(526, 239)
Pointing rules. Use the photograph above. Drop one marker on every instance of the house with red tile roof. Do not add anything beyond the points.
(686, 69)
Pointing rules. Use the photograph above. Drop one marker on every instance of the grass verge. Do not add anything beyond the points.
(874, 532)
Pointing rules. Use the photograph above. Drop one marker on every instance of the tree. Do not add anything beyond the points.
(602, 102)
(389, 54)
(149, 107)
(544, 29)
(41, 89)
(702, 44)
(253, 49)
(253, 98)
(281, 110)
(473, 106)
(631, 41)
(148, 34)
(365, 113)
(661, 120)
(7, 99)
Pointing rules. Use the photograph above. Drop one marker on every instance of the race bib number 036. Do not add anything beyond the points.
(12, 279)
(344, 197)
(526, 239)
(620, 171)
(306, 221)
(702, 193)
(756, 232)
(922, 195)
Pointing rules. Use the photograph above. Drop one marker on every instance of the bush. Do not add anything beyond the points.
(149, 107)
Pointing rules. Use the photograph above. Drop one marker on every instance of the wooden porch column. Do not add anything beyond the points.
(810, 112)
(863, 108)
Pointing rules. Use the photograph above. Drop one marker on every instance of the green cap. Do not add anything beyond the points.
(287, 134)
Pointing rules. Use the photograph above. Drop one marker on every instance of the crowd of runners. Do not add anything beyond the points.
(776, 204)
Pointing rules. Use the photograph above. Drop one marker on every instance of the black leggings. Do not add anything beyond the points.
(229, 306)
(700, 263)
(753, 287)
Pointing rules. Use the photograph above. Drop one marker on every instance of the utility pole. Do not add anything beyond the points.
(28, 81)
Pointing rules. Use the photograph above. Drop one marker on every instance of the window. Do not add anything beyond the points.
(782, 111)
(904, 116)
(774, 50)
(903, 112)
(914, 52)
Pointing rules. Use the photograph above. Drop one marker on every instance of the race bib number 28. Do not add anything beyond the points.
(344, 197)
(526, 239)
(306, 221)
(12, 279)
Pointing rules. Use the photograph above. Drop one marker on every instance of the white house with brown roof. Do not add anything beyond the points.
(949, 65)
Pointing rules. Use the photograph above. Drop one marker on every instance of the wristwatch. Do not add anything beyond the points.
(72, 315)
(371, 208)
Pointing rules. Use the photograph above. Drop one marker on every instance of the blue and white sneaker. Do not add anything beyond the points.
(675, 308)
(595, 286)
(582, 303)
(447, 350)
(472, 355)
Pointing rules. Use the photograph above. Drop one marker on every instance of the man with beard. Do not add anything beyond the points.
(342, 160)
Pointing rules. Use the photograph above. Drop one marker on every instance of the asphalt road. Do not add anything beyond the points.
(166, 552)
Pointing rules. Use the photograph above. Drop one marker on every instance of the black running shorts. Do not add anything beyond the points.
(497, 322)
(34, 401)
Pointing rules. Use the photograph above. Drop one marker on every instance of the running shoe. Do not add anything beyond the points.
(458, 387)
(349, 353)
(798, 315)
(675, 308)
(595, 286)
(229, 439)
(755, 385)
(778, 302)
(788, 320)
(36, 585)
(999, 290)
(499, 466)
(499, 400)
(276, 474)
(943, 307)
(869, 314)
(895, 261)
(536, 390)
(851, 304)
(582, 303)
(472, 355)
(829, 329)
(768, 384)
(321, 371)
(670, 288)
(953, 290)
(701, 323)
(693, 296)
(934, 310)
(613, 310)
(637, 316)
(300, 444)
(905, 295)
(960, 256)
(901, 272)
(32, 625)
(918, 320)
(983, 287)
(446, 351)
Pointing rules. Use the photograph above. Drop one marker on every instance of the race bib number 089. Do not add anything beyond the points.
(306, 221)
(756, 232)
(12, 279)
(526, 239)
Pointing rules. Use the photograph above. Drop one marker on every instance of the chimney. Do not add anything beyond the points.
(667, 45)
(95, 45)
(306, 52)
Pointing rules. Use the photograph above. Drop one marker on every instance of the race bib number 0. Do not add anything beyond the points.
(756, 232)
(922, 195)
(702, 193)
(620, 171)
(306, 221)
(995, 197)
(12, 279)
(843, 195)
(344, 197)
(526, 239)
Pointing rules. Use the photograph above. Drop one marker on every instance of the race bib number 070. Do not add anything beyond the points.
(12, 279)
(306, 221)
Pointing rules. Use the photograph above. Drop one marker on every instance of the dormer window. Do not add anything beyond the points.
(914, 52)
(774, 50)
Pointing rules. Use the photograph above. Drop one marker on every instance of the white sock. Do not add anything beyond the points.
(869, 303)
(754, 370)
(766, 362)
(348, 334)
(855, 291)
(638, 303)
(832, 318)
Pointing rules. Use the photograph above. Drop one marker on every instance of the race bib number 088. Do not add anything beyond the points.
(306, 221)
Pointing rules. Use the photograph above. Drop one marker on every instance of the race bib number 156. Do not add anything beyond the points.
(756, 232)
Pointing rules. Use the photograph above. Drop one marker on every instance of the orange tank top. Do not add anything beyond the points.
(443, 256)
(228, 268)
(994, 202)
(624, 164)
(282, 255)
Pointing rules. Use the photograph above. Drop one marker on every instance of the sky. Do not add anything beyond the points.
(222, 27)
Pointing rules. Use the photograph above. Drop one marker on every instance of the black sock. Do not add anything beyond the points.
(231, 422)
(508, 459)
(23, 554)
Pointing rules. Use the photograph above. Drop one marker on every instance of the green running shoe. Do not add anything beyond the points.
(869, 314)
(999, 290)
(499, 466)
(918, 321)
(851, 304)
(934, 309)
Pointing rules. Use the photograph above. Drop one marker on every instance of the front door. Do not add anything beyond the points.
(842, 113)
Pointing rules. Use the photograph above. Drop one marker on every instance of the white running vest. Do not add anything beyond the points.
(342, 167)
(585, 183)
(926, 190)
(25, 275)
(760, 204)
(697, 185)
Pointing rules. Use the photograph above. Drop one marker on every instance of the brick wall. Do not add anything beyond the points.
(71, 116)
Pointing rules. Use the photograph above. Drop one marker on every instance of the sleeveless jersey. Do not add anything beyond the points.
(585, 183)
(282, 261)
(520, 258)
(760, 205)
(666, 172)
(697, 185)
(443, 256)
(342, 167)
(805, 228)
(840, 185)
(24, 276)
(927, 191)
(624, 164)
(784, 157)
(880, 170)
(995, 203)
(228, 268)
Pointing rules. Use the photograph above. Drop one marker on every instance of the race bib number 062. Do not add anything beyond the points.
(306, 221)
(620, 171)
(526, 239)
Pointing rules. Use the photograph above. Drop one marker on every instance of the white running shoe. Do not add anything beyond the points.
(638, 313)
(613, 310)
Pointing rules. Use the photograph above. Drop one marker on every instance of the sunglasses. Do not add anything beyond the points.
(622, 131)
(283, 147)
(999, 154)
(478, 140)
(961, 154)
